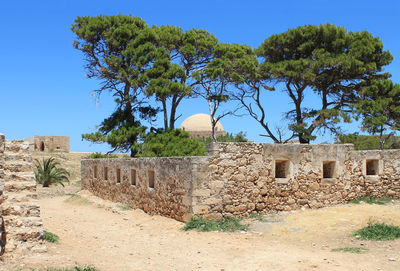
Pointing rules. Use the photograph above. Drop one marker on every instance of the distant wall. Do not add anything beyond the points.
(205, 134)
(240, 178)
(49, 143)
(156, 185)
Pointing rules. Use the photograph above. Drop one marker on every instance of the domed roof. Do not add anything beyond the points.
(199, 122)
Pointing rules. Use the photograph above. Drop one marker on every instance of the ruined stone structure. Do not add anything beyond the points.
(48, 143)
(18, 202)
(240, 178)
(199, 125)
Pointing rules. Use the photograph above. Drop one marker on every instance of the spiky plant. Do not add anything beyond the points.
(48, 172)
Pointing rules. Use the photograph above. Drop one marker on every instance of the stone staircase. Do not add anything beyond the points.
(20, 206)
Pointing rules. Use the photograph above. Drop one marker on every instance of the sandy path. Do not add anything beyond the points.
(133, 240)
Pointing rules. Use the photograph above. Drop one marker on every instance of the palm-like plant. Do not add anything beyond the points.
(48, 172)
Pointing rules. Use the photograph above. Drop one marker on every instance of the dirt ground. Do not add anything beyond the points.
(106, 235)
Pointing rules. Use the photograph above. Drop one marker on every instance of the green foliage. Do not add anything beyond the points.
(331, 62)
(98, 155)
(48, 172)
(50, 237)
(171, 143)
(227, 225)
(372, 200)
(239, 137)
(173, 77)
(124, 207)
(364, 142)
(121, 52)
(378, 232)
(215, 79)
(357, 250)
(380, 108)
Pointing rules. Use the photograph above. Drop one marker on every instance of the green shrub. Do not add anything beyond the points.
(48, 172)
(171, 143)
(378, 231)
(98, 155)
(50, 237)
(372, 200)
(227, 225)
(239, 137)
(124, 207)
(357, 250)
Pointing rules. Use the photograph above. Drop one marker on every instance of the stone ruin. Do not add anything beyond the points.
(19, 205)
(48, 143)
(236, 179)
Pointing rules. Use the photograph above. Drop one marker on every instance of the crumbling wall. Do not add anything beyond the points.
(20, 206)
(49, 143)
(156, 185)
(251, 177)
(236, 179)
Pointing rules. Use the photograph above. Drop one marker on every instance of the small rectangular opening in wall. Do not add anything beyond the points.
(151, 178)
(372, 167)
(118, 175)
(281, 168)
(133, 177)
(95, 172)
(105, 173)
(328, 169)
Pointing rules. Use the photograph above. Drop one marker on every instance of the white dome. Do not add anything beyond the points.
(199, 122)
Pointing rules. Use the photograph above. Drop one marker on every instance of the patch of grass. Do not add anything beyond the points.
(76, 268)
(76, 199)
(227, 225)
(378, 232)
(358, 250)
(50, 237)
(124, 207)
(256, 216)
(372, 200)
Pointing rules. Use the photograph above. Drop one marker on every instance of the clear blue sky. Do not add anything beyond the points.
(43, 88)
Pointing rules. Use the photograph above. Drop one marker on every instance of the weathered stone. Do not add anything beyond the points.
(19, 207)
(239, 177)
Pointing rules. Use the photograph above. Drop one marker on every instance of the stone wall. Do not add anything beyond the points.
(205, 134)
(19, 204)
(240, 178)
(49, 143)
(250, 177)
(156, 185)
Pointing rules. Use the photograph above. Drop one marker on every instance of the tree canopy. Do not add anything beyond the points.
(379, 108)
(327, 60)
(120, 51)
(139, 64)
(188, 52)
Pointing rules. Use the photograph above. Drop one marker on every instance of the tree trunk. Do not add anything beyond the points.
(165, 111)
(174, 105)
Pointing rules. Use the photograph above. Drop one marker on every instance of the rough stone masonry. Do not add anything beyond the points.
(19, 205)
(236, 179)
